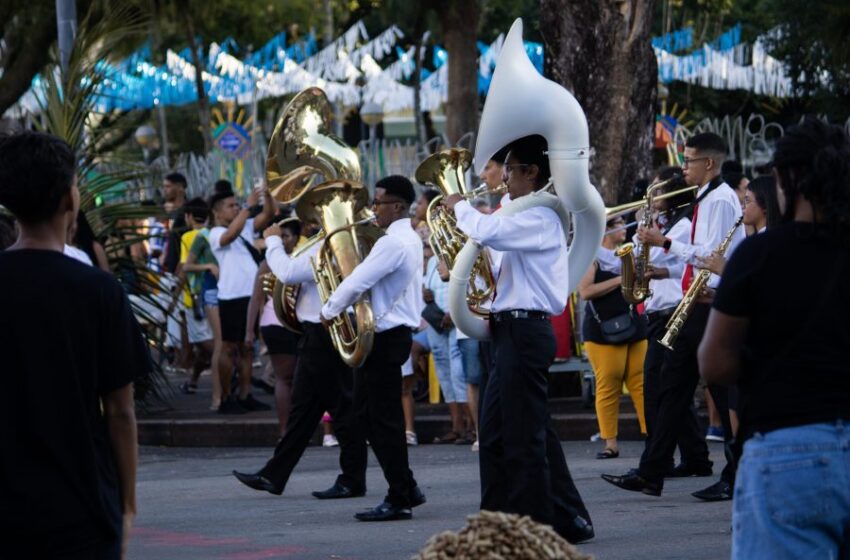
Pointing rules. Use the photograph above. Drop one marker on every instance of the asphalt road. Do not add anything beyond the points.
(191, 508)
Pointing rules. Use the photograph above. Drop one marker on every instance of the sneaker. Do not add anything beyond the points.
(251, 404)
(714, 433)
(188, 388)
(596, 437)
(475, 445)
(412, 440)
(330, 441)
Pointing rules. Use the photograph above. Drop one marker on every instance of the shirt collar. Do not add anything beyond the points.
(398, 224)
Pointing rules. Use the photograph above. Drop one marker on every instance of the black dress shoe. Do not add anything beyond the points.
(683, 470)
(384, 512)
(718, 492)
(258, 482)
(417, 498)
(635, 483)
(578, 530)
(337, 492)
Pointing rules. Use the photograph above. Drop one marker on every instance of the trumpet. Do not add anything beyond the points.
(445, 170)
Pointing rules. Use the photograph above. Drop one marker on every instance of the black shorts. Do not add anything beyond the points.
(234, 316)
(280, 340)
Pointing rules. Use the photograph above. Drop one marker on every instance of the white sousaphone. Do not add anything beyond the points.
(521, 103)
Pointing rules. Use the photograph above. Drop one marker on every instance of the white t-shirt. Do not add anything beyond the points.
(237, 268)
(79, 254)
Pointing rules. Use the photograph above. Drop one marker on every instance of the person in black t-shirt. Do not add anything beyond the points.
(779, 330)
(71, 349)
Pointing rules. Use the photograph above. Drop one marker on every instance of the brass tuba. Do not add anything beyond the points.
(301, 150)
(446, 170)
(635, 284)
(347, 240)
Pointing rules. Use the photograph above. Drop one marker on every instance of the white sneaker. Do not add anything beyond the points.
(412, 440)
(330, 441)
(475, 445)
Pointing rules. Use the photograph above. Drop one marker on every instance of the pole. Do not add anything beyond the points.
(66, 28)
(163, 131)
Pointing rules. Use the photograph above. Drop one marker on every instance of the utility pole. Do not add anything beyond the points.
(66, 27)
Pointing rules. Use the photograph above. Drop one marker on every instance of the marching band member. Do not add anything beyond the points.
(523, 469)
(322, 381)
(392, 271)
(715, 212)
(665, 275)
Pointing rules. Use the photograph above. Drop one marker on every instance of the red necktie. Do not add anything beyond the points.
(689, 269)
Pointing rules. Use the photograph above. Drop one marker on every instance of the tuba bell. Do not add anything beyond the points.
(445, 170)
(302, 150)
(346, 242)
(520, 103)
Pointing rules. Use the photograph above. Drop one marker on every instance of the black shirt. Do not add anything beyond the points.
(67, 338)
(609, 306)
(789, 282)
(177, 227)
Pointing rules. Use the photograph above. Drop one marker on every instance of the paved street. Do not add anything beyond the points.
(190, 507)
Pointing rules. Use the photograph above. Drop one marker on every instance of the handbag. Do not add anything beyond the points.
(433, 315)
(616, 330)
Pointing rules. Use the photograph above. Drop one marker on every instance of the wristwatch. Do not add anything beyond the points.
(667, 243)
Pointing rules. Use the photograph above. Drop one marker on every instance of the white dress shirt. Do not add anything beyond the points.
(393, 272)
(718, 212)
(77, 254)
(667, 292)
(533, 269)
(296, 270)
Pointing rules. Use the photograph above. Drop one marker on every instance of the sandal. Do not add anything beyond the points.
(608, 453)
(450, 437)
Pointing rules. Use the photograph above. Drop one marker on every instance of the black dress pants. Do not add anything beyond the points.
(523, 469)
(690, 435)
(720, 396)
(679, 379)
(377, 402)
(322, 382)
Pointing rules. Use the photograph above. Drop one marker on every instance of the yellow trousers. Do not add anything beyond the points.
(613, 365)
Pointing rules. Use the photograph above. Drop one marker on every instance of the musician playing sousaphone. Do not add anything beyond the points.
(716, 210)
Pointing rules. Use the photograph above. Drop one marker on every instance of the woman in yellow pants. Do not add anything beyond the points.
(614, 338)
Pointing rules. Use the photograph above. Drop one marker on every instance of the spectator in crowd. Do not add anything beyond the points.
(436, 296)
(222, 186)
(280, 341)
(202, 261)
(82, 237)
(67, 420)
(174, 193)
(761, 207)
(616, 357)
(231, 242)
(788, 356)
(419, 221)
(199, 331)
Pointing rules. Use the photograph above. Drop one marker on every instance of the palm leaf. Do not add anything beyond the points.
(110, 188)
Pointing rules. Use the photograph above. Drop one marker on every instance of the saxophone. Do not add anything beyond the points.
(680, 315)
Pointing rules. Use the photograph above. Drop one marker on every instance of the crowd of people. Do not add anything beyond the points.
(772, 365)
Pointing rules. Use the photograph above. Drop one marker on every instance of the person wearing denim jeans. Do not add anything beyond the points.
(811, 466)
(788, 357)
(470, 364)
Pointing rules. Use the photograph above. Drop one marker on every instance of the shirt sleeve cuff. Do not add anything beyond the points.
(677, 248)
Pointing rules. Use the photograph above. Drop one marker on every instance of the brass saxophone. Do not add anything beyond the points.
(680, 315)
(635, 284)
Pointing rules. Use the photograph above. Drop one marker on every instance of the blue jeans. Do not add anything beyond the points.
(447, 362)
(470, 359)
(792, 494)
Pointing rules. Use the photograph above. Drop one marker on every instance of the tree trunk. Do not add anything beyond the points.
(600, 50)
(27, 39)
(203, 100)
(328, 22)
(459, 20)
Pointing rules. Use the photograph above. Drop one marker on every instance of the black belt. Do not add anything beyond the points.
(659, 315)
(519, 314)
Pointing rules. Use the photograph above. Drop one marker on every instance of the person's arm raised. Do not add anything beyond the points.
(238, 224)
(268, 213)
